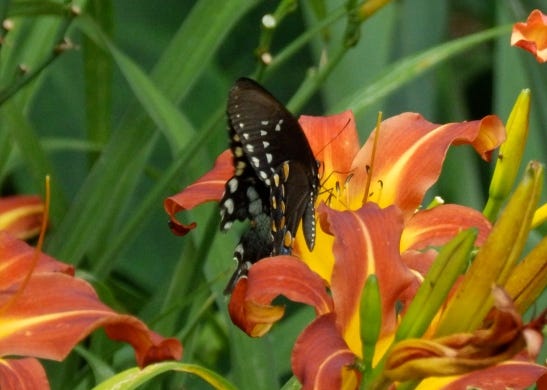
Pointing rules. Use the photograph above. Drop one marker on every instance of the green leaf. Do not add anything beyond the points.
(174, 125)
(411, 67)
(371, 321)
(109, 182)
(450, 263)
(134, 377)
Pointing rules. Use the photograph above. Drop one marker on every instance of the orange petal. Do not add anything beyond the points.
(149, 346)
(532, 35)
(334, 142)
(321, 359)
(207, 188)
(16, 261)
(366, 242)
(409, 156)
(252, 318)
(249, 305)
(437, 226)
(510, 375)
(55, 311)
(21, 215)
(22, 374)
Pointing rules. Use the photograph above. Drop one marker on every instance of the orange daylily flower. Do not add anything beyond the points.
(45, 311)
(532, 35)
(21, 215)
(410, 152)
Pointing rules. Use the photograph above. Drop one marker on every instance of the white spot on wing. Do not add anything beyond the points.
(229, 205)
(233, 184)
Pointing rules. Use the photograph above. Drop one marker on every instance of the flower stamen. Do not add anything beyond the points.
(370, 167)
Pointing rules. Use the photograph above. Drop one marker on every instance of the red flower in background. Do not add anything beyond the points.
(45, 311)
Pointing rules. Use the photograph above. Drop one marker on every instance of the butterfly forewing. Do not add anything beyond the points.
(269, 133)
(245, 196)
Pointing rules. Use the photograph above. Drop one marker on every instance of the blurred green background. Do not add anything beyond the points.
(133, 112)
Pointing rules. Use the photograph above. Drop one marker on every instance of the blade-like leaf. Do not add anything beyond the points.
(134, 377)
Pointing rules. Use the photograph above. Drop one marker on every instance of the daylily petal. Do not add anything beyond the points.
(532, 35)
(22, 374)
(438, 225)
(334, 142)
(16, 262)
(249, 305)
(252, 318)
(374, 235)
(321, 359)
(21, 215)
(510, 375)
(207, 188)
(54, 311)
(149, 346)
(409, 155)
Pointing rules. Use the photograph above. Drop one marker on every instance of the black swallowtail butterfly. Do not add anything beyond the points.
(276, 177)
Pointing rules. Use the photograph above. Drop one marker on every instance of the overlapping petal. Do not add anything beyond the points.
(436, 226)
(366, 242)
(21, 215)
(45, 311)
(532, 35)
(22, 374)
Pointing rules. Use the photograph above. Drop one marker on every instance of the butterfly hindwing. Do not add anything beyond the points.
(255, 244)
